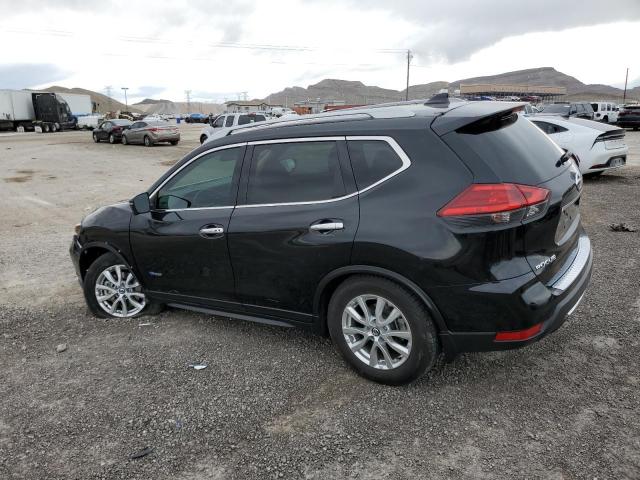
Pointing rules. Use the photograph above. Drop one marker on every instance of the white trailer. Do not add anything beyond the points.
(16, 108)
(79, 104)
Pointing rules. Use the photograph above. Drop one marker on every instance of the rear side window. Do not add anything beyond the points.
(294, 172)
(512, 147)
(245, 119)
(372, 160)
(548, 128)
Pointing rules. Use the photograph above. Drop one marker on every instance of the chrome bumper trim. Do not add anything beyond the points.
(566, 280)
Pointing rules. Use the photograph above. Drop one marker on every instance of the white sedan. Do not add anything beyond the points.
(599, 147)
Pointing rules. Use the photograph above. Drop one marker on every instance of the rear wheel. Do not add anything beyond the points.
(382, 330)
(173, 142)
(147, 141)
(112, 290)
(605, 119)
(54, 127)
(46, 128)
(112, 139)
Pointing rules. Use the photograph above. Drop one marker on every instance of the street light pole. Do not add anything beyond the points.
(624, 95)
(126, 102)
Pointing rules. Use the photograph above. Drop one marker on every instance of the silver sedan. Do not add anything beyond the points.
(150, 133)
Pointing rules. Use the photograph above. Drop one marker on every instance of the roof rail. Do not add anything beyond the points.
(306, 120)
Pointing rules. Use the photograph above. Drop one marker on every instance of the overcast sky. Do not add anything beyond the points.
(220, 48)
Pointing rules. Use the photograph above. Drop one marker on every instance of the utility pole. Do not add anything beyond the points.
(126, 102)
(108, 91)
(409, 57)
(624, 95)
(188, 94)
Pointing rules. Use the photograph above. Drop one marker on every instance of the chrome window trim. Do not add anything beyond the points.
(206, 152)
(406, 163)
(577, 266)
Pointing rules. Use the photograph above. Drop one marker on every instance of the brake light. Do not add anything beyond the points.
(117, 129)
(518, 335)
(490, 198)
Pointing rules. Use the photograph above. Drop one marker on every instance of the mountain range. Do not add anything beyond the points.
(354, 92)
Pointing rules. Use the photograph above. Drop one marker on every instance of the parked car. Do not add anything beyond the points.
(598, 146)
(221, 124)
(153, 118)
(629, 117)
(150, 133)
(569, 109)
(397, 240)
(606, 112)
(110, 130)
(196, 118)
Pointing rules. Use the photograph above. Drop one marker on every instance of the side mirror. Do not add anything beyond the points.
(140, 203)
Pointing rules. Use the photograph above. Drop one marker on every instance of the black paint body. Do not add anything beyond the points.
(268, 266)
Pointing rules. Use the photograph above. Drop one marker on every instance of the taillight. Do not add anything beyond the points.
(117, 129)
(154, 129)
(486, 204)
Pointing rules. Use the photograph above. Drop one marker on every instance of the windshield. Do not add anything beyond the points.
(556, 108)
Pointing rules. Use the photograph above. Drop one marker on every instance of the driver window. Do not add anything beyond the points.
(206, 182)
(219, 122)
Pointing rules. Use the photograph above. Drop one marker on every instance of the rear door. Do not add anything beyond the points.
(297, 223)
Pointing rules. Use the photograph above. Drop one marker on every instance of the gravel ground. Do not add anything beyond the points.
(277, 402)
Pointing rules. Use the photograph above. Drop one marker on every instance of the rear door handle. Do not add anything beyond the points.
(209, 231)
(326, 227)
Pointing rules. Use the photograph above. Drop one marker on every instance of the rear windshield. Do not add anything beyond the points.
(512, 147)
(556, 108)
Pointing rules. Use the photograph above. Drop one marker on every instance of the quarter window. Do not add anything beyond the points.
(372, 160)
(549, 128)
(295, 172)
(206, 182)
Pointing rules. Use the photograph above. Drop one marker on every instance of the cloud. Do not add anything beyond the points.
(25, 75)
(453, 31)
(146, 91)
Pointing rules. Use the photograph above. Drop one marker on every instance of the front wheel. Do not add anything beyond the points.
(147, 142)
(382, 330)
(112, 290)
(124, 140)
(174, 142)
(95, 138)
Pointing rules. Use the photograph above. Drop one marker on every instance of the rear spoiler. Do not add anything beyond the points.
(472, 112)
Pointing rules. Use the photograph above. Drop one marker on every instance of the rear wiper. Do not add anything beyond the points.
(564, 158)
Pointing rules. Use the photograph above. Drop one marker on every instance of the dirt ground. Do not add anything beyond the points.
(276, 402)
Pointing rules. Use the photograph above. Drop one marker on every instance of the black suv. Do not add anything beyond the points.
(401, 231)
(566, 109)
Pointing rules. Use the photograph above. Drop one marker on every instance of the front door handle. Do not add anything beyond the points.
(209, 231)
(326, 227)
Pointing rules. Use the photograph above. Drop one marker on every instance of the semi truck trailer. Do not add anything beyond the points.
(24, 110)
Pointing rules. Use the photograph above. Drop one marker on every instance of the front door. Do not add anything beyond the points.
(180, 247)
(296, 225)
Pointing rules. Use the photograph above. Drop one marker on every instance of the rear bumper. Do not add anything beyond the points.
(74, 252)
(558, 306)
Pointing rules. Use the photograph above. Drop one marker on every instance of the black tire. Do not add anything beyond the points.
(112, 139)
(100, 264)
(124, 140)
(95, 138)
(425, 346)
(147, 141)
(605, 119)
(174, 142)
(46, 128)
(203, 138)
(54, 128)
(592, 174)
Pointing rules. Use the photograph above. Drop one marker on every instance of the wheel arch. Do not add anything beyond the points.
(331, 281)
(92, 251)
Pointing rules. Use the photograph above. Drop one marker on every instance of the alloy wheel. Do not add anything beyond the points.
(118, 292)
(377, 332)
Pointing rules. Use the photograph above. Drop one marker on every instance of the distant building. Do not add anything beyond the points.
(317, 106)
(512, 90)
(248, 106)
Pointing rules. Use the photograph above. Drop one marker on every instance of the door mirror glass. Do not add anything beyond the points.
(140, 203)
